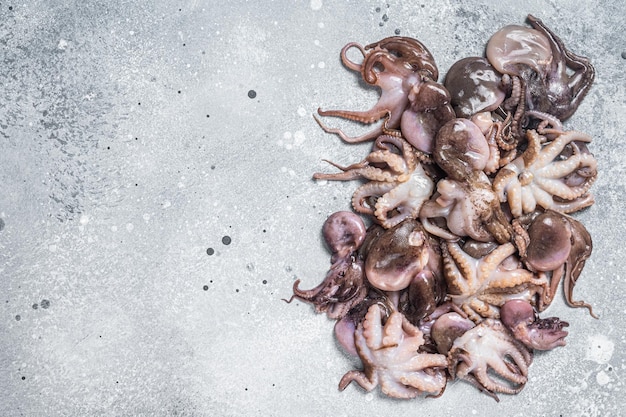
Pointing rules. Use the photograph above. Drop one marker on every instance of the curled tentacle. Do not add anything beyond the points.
(343, 288)
(490, 358)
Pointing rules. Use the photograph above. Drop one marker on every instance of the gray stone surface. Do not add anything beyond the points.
(132, 144)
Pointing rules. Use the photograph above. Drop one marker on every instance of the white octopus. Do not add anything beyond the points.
(548, 175)
(394, 201)
(480, 286)
(391, 359)
(491, 359)
(398, 183)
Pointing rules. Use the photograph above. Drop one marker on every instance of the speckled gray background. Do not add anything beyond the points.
(130, 145)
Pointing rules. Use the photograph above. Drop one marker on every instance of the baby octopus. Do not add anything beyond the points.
(548, 175)
(480, 286)
(404, 262)
(535, 333)
(468, 190)
(465, 198)
(406, 73)
(556, 80)
(391, 359)
(490, 347)
(559, 244)
(343, 286)
(398, 183)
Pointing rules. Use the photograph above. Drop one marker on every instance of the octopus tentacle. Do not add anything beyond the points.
(583, 72)
(395, 170)
(372, 328)
(533, 150)
(557, 169)
(405, 198)
(554, 148)
(365, 191)
(456, 262)
(577, 204)
(440, 232)
(493, 163)
(347, 61)
(360, 378)
(350, 139)
(546, 119)
(407, 152)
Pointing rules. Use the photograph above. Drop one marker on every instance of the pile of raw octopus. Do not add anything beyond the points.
(469, 188)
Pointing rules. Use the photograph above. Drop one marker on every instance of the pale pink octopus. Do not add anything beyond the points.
(480, 285)
(391, 358)
(398, 183)
(559, 245)
(555, 175)
(490, 358)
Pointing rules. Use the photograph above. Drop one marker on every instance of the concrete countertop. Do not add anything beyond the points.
(157, 204)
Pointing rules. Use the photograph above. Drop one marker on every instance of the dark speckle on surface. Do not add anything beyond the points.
(18, 317)
(226, 240)
(624, 55)
(45, 303)
(252, 94)
(35, 306)
(1, 224)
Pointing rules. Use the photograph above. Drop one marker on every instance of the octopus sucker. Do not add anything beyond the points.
(469, 190)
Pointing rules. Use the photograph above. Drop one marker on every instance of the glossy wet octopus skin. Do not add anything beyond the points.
(468, 191)
(556, 80)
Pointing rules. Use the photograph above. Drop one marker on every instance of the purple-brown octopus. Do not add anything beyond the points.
(343, 286)
(560, 245)
(406, 73)
(474, 86)
(468, 186)
(535, 333)
(555, 79)
(405, 263)
(465, 199)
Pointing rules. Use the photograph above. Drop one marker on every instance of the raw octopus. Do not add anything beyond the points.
(468, 192)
